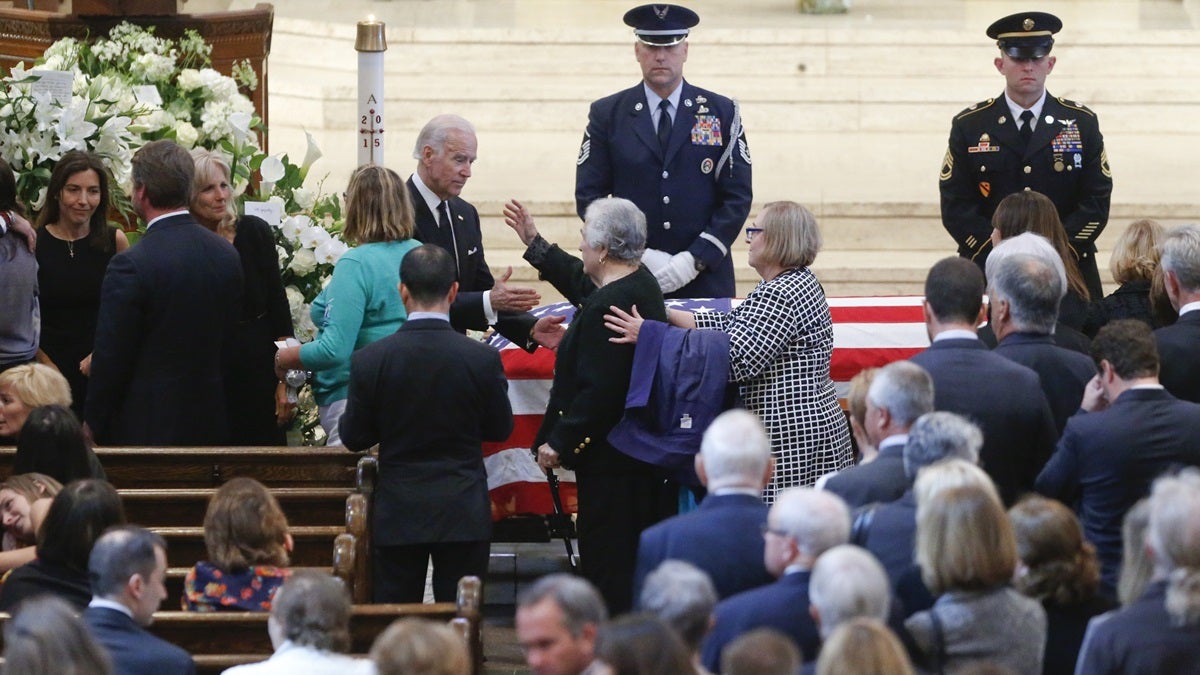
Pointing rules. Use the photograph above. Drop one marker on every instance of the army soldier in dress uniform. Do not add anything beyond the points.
(1026, 139)
(676, 151)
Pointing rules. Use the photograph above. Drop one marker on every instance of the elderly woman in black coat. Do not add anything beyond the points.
(618, 495)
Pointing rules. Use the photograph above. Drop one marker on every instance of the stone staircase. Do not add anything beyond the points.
(847, 114)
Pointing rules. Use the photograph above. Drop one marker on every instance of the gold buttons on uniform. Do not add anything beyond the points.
(587, 440)
(1028, 169)
(577, 451)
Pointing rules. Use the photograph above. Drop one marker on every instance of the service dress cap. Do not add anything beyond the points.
(1028, 35)
(661, 25)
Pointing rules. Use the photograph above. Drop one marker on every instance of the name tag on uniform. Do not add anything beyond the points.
(706, 130)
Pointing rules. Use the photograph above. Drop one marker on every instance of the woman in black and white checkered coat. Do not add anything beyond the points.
(781, 341)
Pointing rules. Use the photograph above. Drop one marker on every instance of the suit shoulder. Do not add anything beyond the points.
(613, 100)
(974, 109)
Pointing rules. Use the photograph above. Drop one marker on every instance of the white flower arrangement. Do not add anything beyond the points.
(127, 89)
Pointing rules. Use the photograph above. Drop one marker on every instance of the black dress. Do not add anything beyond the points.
(618, 496)
(265, 318)
(69, 278)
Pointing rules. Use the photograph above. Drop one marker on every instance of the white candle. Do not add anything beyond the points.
(370, 44)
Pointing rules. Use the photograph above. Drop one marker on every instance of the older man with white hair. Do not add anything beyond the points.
(900, 393)
(1028, 243)
(1179, 343)
(683, 596)
(803, 524)
(1025, 291)
(847, 583)
(722, 537)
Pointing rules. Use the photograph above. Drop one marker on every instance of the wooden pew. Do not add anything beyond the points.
(203, 467)
(220, 640)
(180, 507)
(314, 545)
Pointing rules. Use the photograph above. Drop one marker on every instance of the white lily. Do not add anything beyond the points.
(272, 171)
(312, 154)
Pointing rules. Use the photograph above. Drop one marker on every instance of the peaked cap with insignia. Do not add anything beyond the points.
(661, 25)
(1028, 35)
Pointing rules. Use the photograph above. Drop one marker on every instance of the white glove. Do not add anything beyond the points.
(678, 272)
(655, 260)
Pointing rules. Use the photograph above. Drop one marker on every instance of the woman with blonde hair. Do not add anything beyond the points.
(967, 553)
(1058, 568)
(247, 538)
(863, 646)
(361, 304)
(1134, 264)
(25, 387)
(258, 406)
(24, 501)
(1030, 211)
(780, 345)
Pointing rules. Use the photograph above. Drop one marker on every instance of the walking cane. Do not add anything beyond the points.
(560, 522)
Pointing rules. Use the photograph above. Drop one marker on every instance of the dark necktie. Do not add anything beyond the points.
(446, 238)
(664, 123)
(1026, 130)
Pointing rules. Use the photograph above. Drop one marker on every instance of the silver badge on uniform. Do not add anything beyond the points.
(1078, 161)
(706, 166)
(638, 107)
(687, 102)
(585, 149)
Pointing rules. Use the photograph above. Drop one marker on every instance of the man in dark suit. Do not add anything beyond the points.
(127, 567)
(445, 150)
(167, 311)
(1004, 398)
(723, 537)
(802, 524)
(676, 151)
(1130, 431)
(1025, 291)
(900, 393)
(1026, 139)
(1179, 343)
(428, 396)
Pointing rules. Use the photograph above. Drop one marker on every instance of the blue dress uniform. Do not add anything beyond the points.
(696, 195)
(1064, 159)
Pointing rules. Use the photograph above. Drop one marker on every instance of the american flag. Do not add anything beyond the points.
(867, 332)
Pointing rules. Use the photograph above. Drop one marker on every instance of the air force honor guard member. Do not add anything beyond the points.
(676, 151)
(1026, 140)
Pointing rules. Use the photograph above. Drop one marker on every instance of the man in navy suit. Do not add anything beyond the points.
(445, 150)
(1004, 398)
(167, 311)
(1129, 432)
(724, 536)
(1025, 292)
(127, 567)
(1179, 343)
(900, 393)
(802, 524)
(676, 151)
(429, 397)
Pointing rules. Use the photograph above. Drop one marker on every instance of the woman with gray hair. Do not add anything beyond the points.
(618, 496)
(780, 345)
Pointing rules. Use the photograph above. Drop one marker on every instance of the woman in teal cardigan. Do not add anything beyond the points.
(361, 304)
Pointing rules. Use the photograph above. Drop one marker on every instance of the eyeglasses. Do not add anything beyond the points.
(767, 529)
(751, 233)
